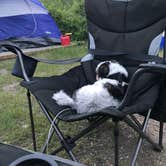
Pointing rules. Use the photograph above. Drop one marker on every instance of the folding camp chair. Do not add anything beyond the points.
(127, 31)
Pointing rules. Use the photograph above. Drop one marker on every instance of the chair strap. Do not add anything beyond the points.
(14, 49)
(66, 61)
(107, 54)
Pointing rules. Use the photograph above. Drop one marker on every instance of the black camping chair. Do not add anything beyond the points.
(126, 31)
(15, 156)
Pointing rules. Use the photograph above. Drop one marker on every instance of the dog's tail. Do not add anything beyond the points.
(63, 99)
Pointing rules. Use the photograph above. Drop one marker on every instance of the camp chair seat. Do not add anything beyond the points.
(43, 89)
(45, 97)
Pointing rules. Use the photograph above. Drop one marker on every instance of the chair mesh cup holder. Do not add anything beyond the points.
(29, 64)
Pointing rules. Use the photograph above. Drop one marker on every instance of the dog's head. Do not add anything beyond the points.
(115, 72)
(112, 70)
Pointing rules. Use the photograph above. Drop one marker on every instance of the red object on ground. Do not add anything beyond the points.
(65, 40)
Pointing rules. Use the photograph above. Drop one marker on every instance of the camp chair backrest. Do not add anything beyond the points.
(125, 25)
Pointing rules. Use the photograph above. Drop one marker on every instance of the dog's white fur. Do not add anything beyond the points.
(93, 97)
(89, 98)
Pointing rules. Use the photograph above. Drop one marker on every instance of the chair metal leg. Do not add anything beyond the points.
(141, 133)
(116, 139)
(31, 120)
(92, 126)
(161, 134)
(59, 134)
(45, 146)
(145, 123)
(136, 121)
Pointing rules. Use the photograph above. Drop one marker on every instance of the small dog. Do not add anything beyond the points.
(108, 90)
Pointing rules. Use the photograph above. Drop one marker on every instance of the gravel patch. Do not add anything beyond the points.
(3, 72)
(11, 87)
(97, 149)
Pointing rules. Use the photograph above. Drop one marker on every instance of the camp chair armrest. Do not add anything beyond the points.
(144, 68)
(25, 66)
(60, 62)
(159, 68)
(20, 68)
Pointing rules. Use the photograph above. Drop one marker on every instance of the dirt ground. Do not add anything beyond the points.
(97, 149)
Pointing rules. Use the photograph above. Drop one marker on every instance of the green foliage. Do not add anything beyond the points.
(69, 15)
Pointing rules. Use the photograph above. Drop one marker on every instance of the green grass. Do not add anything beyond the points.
(14, 119)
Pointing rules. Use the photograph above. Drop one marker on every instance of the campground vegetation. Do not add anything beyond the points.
(69, 16)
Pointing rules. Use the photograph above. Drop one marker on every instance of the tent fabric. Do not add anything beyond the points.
(27, 21)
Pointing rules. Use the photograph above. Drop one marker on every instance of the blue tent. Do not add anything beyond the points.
(27, 23)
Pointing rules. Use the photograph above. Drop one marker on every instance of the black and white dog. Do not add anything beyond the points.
(108, 90)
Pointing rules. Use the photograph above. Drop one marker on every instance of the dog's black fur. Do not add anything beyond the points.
(117, 92)
(103, 70)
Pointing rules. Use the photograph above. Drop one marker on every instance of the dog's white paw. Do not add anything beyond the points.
(63, 99)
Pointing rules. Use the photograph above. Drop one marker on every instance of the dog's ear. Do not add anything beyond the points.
(103, 70)
(117, 92)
